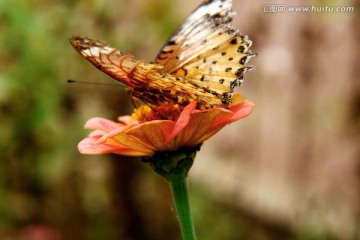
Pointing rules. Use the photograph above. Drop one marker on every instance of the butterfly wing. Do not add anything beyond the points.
(221, 68)
(106, 58)
(207, 50)
(206, 56)
(203, 29)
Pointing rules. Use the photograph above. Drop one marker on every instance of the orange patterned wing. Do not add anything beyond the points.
(106, 58)
(146, 80)
(207, 50)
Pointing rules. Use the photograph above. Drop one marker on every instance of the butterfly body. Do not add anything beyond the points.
(203, 61)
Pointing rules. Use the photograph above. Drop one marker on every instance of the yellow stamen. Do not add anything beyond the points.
(166, 111)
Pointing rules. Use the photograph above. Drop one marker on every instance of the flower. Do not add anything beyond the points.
(163, 128)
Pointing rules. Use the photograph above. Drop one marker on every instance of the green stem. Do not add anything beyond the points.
(174, 167)
(180, 191)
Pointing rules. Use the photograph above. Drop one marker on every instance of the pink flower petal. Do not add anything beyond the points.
(182, 121)
(239, 111)
(113, 133)
(97, 133)
(101, 124)
(125, 119)
(89, 146)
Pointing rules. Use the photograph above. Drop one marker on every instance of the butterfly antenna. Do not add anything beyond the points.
(135, 101)
(151, 107)
(95, 83)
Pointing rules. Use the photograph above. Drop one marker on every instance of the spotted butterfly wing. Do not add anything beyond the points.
(208, 50)
(203, 61)
(205, 28)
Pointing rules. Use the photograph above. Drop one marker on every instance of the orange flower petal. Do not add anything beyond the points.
(133, 139)
(149, 135)
(199, 125)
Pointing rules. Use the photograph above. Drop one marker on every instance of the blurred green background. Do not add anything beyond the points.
(290, 171)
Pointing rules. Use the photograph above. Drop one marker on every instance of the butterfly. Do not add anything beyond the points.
(203, 61)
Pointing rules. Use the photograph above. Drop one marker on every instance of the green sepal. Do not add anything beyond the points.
(173, 165)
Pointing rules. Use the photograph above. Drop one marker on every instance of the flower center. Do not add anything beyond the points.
(165, 111)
